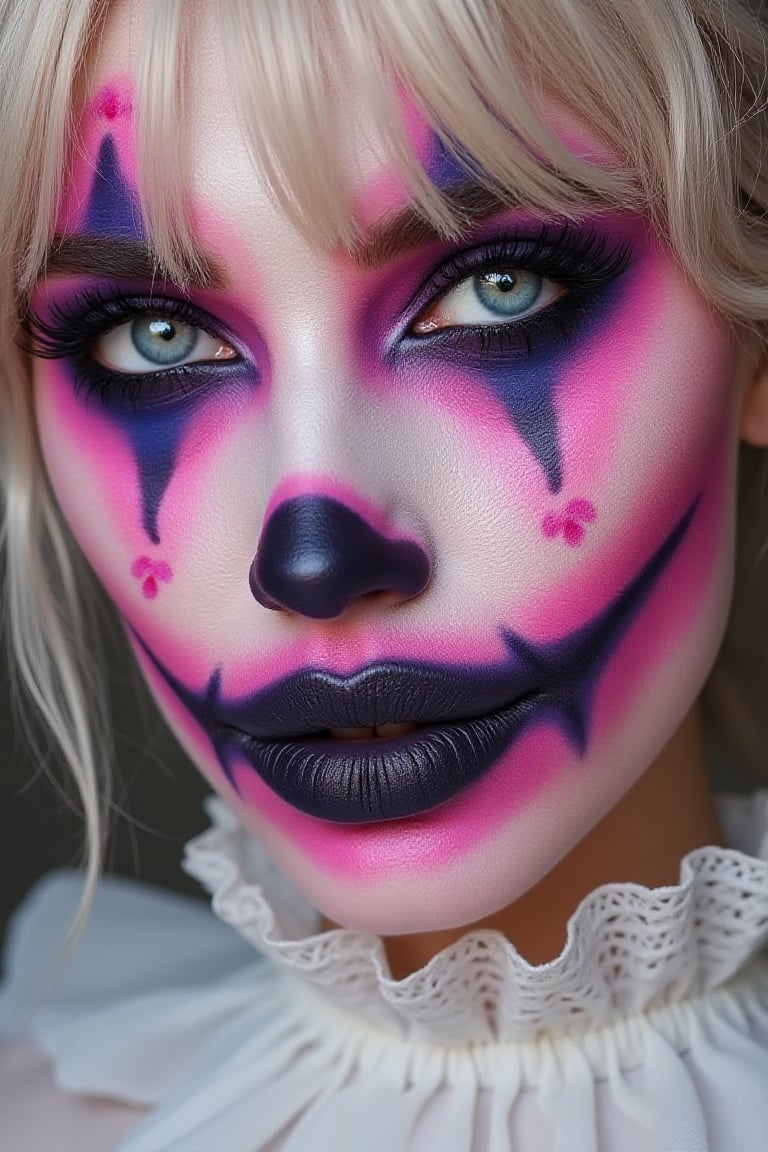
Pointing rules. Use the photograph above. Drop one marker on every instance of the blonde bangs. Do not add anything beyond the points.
(292, 64)
(676, 94)
(650, 77)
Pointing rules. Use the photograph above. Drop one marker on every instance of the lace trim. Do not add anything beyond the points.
(628, 947)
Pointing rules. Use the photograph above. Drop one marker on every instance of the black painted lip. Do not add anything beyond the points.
(354, 782)
(314, 700)
(464, 719)
(469, 715)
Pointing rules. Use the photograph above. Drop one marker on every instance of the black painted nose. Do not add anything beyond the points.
(316, 557)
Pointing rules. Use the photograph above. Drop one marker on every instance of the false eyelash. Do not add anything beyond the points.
(586, 260)
(583, 262)
(89, 314)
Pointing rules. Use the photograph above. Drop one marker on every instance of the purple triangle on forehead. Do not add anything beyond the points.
(113, 207)
(442, 168)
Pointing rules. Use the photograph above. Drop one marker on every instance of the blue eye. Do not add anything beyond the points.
(488, 297)
(161, 340)
(136, 352)
(514, 294)
(508, 291)
(152, 342)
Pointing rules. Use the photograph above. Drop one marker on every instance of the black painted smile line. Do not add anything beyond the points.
(469, 715)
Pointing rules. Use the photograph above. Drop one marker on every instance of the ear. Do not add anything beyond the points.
(754, 411)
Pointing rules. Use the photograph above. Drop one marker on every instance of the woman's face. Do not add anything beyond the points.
(424, 552)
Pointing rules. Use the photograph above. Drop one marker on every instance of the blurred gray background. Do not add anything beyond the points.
(157, 797)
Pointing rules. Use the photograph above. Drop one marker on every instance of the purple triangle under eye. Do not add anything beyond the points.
(113, 207)
(113, 210)
(531, 409)
(156, 447)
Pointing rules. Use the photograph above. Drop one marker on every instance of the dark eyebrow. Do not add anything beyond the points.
(123, 258)
(400, 233)
(126, 258)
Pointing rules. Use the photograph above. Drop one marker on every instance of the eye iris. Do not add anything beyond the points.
(508, 291)
(161, 340)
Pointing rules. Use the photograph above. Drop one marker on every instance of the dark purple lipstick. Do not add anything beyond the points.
(466, 716)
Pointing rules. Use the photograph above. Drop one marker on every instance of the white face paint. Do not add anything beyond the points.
(484, 488)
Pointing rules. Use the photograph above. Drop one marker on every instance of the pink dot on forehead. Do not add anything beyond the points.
(110, 103)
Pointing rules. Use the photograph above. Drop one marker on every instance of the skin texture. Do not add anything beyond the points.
(533, 486)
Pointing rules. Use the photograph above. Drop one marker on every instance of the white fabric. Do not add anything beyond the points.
(649, 1032)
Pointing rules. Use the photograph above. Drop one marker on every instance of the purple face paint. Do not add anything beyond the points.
(113, 207)
(522, 362)
(155, 431)
(113, 210)
(617, 395)
(317, 556)
(468, 716)
(443, 167)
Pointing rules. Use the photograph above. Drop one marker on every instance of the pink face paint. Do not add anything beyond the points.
(108, 113)
(468, 715)
(149, 572)
(437, 840)
(635, 407)
(112, 102)
(570, 522)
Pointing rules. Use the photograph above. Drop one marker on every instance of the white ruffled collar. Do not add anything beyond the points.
(307, 1042)
(628, 948)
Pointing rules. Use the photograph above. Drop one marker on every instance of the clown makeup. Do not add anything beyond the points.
(424, 549)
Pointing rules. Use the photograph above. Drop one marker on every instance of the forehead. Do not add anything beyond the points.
(219, 153)
(217, 144)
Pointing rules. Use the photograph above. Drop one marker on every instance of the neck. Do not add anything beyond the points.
(666, 814)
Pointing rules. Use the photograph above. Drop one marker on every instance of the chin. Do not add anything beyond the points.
(432, 873)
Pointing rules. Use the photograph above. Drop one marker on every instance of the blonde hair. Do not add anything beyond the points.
(677, 89)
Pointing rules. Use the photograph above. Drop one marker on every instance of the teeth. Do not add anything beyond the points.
(404, 728)
(382, 731)
(352, 733)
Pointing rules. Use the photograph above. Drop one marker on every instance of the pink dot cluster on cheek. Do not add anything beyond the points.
(149, 572)
(570, 522)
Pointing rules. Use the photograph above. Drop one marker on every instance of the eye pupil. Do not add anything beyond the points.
(509, 291)
(162, 328)
(162, 340)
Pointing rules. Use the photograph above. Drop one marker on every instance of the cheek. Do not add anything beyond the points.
(648, 423)
(205, 535)
(644, 417)
(91, 469)
(649, 397)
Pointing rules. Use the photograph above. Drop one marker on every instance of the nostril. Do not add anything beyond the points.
(317, 556)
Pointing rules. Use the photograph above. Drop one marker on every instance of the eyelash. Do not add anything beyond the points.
(581, 262)
(73, 327)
